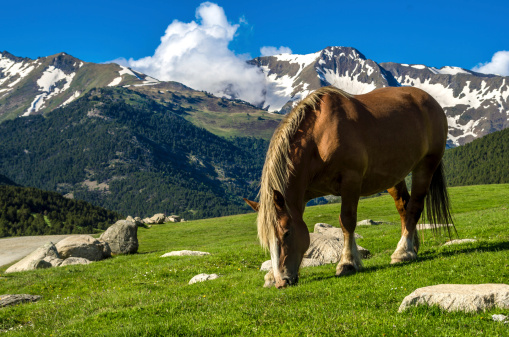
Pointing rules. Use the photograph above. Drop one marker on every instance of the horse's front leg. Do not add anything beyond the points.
(350, 258)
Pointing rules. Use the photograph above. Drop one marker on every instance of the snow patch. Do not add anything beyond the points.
(348, 83)
(12, 69)
(303, 60)
(72, 98)
(46, 83)
(115, 82)
(449, 71)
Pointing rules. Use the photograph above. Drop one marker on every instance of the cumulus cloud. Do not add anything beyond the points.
(197, 55)
(499, 64)
(270, 51)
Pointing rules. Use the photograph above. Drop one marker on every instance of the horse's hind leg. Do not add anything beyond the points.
(421, 179)
(350, 258)
(401, 198)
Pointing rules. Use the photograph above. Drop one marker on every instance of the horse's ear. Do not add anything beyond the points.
(279, 202)
(254, 205)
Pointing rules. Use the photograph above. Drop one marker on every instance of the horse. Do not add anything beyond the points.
(348, 145)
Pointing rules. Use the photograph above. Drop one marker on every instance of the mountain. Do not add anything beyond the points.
(120, 149)
(29, 87)
(33, 87)
(475, 104)
(482, 161)
(290, 77)
(30, 211)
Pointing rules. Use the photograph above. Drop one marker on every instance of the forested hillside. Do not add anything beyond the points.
(483, 161)
(30, 211)
(6, 181)
(118, 149)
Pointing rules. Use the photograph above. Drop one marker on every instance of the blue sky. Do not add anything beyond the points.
(435, 33)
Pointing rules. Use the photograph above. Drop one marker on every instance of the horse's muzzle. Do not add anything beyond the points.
(287, 281)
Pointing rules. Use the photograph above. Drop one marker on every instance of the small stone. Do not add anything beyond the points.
(458, 242)
(173, 218)
(9, 300)
(499, 318)
(203, 277)
(156, 219)
(185, 253)
(329, 230)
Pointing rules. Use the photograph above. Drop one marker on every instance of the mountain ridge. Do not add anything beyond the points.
(475, 104)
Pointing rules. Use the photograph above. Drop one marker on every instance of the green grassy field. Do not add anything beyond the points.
(145, 295)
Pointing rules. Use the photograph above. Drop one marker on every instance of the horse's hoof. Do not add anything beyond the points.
(345, 270)
(398, 257)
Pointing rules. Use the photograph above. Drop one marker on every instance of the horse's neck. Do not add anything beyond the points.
(298, 183)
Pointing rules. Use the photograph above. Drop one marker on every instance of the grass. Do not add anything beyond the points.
(145, 295)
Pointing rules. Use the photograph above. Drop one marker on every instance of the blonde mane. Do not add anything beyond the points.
(278, 165)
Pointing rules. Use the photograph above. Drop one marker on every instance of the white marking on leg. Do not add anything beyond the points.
(274, 258)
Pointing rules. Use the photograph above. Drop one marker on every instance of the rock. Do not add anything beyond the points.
(422, 226)
(122, 237)
(328, 249)
(326, 229)
(324, 248)
(137, 221)
(173, 218)
(74, 260)
(55, 262)
(156, 219)
(35, 260)
(267, 265)
(369, 222)
(500, 318)
(460, 297)
(185, 253)
(458, 242)
(203, 277)
(9, 300)
(83, 246)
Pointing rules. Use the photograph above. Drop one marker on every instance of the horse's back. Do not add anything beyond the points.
(384, 134)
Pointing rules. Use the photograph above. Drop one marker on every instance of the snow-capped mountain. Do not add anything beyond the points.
(30, 86)
(476, 104)
(290, 77)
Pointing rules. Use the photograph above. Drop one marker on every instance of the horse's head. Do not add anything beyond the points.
(292, 241)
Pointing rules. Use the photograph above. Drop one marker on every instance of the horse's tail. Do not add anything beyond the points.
(437, 202)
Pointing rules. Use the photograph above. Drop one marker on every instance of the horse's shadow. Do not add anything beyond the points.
(426, 256)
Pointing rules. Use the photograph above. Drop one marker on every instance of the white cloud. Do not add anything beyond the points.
(270, 51)
(197, 55)
(499, 64)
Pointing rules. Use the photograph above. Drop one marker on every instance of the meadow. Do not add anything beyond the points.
(146, 295)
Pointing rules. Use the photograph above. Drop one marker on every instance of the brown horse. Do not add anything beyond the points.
(352, 146)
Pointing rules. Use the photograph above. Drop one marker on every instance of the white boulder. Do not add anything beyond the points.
(460, 297)
(203, 277)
